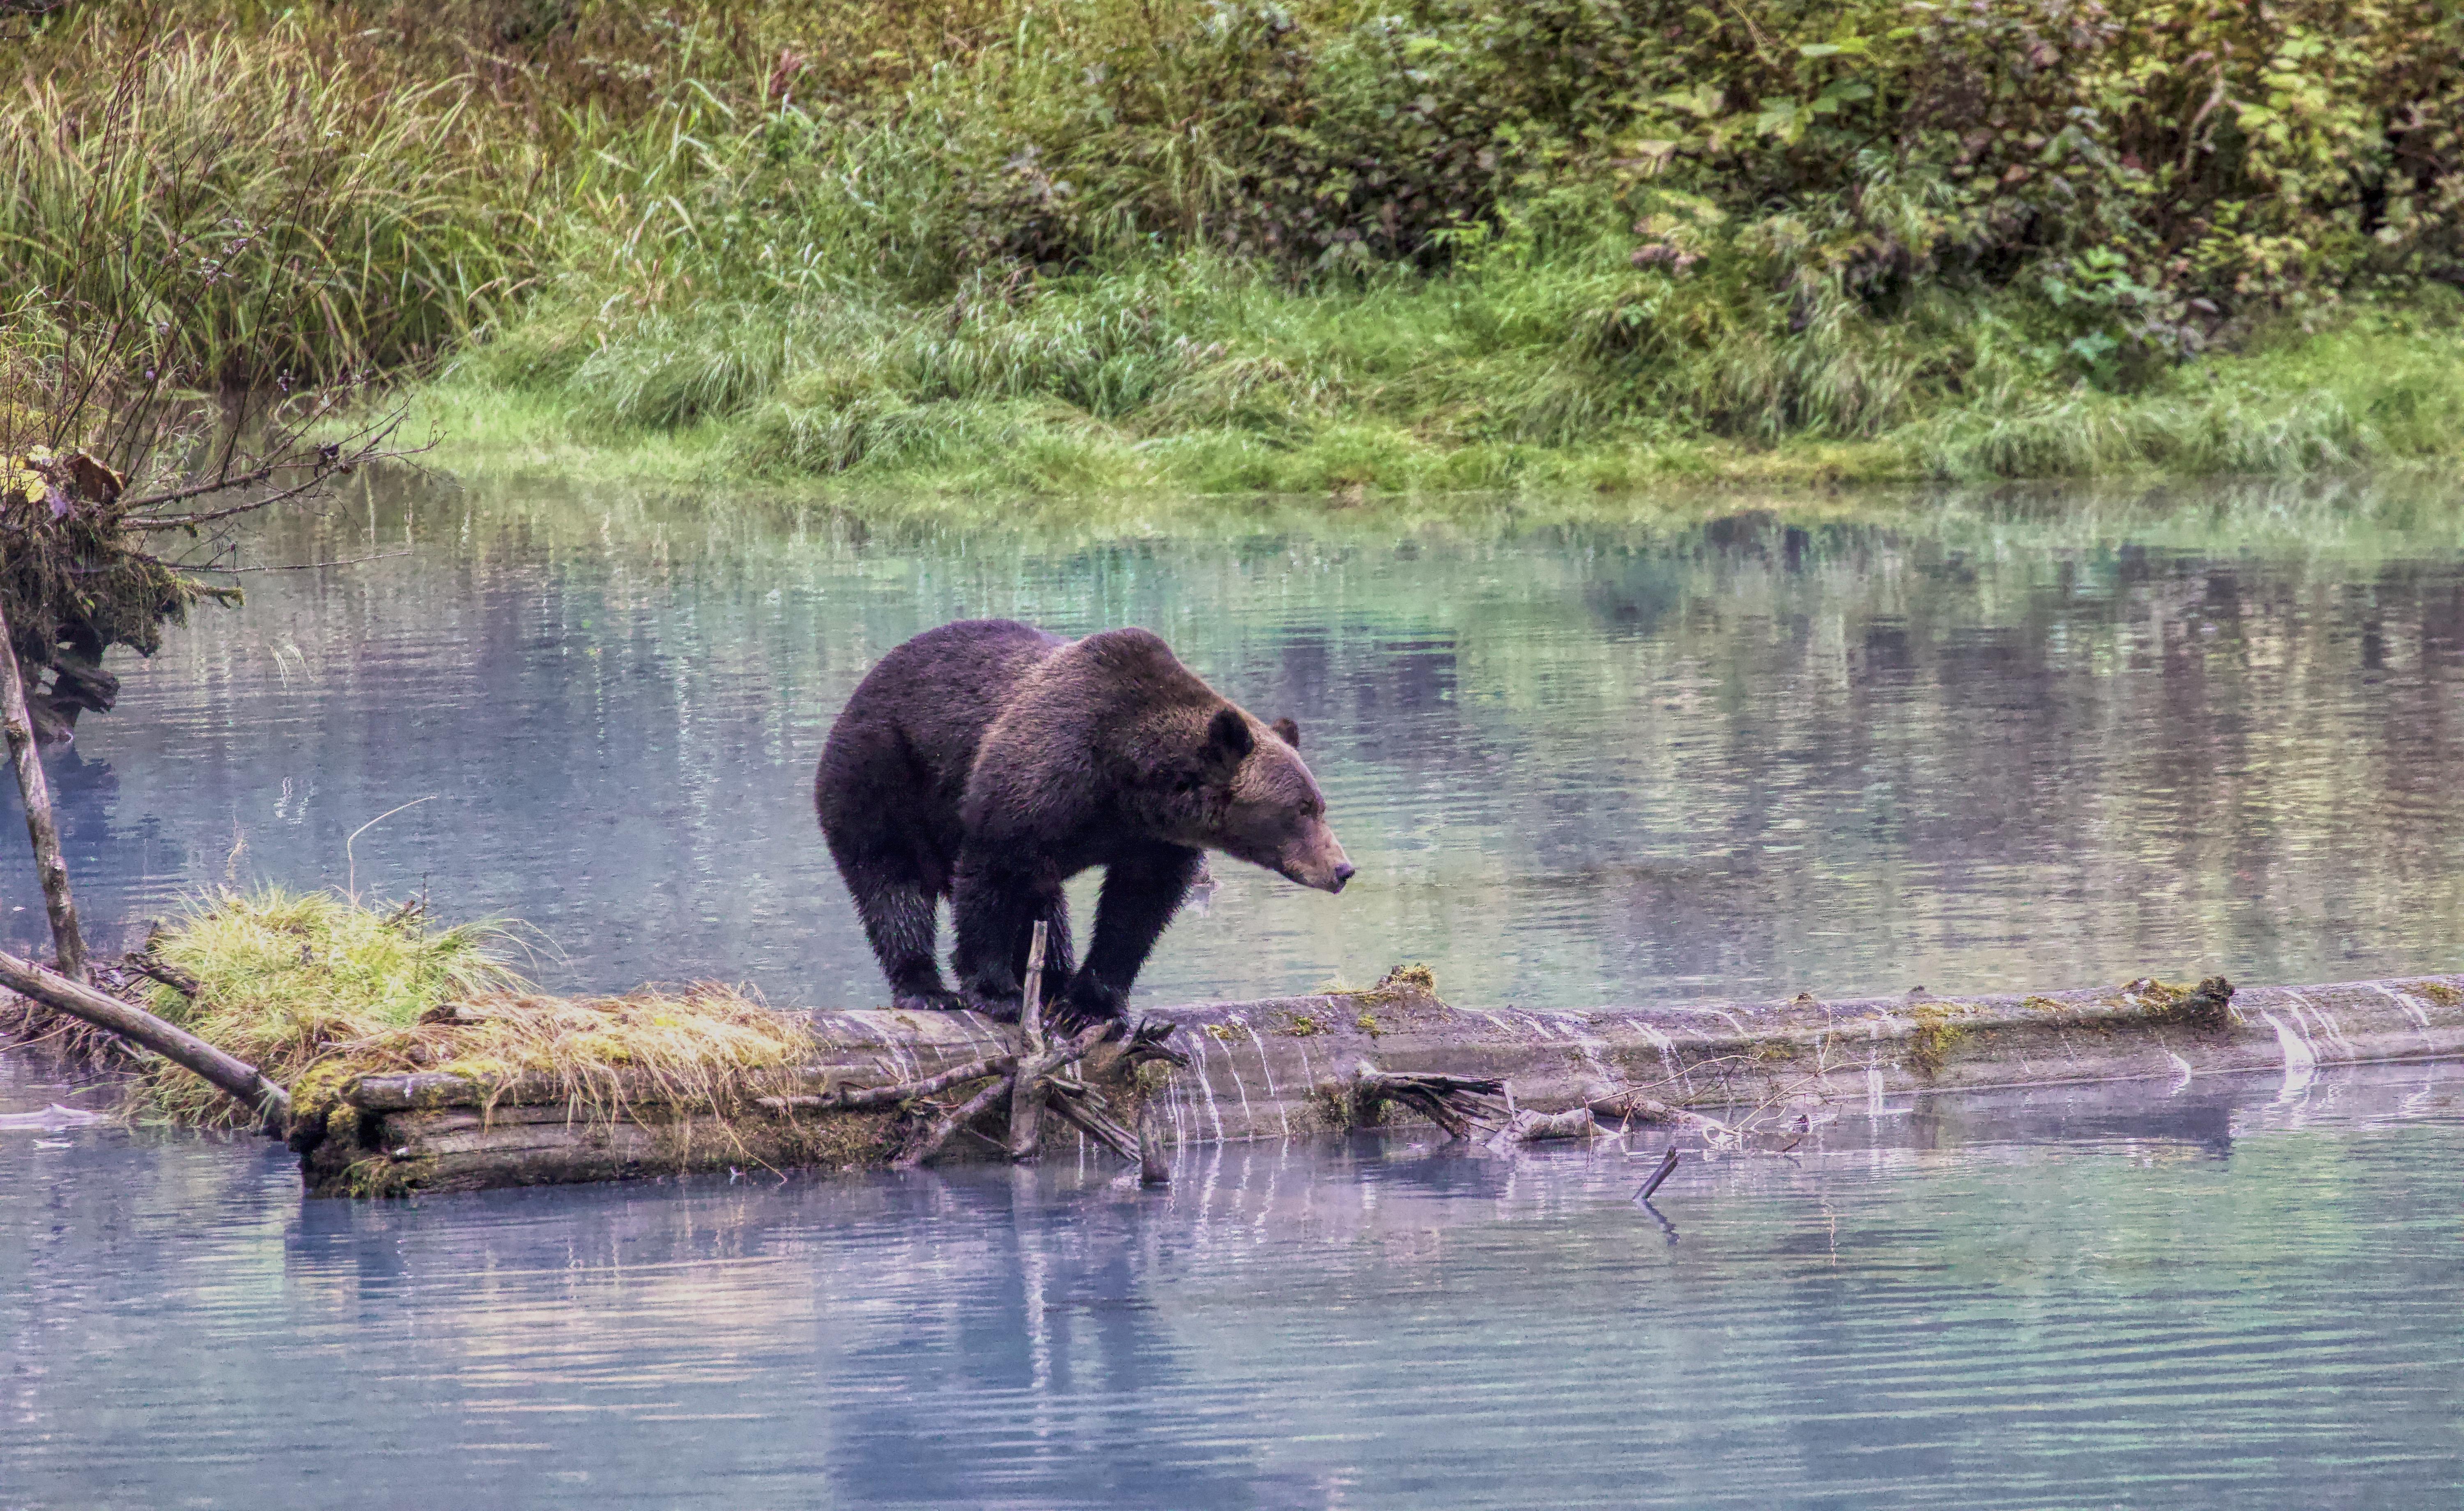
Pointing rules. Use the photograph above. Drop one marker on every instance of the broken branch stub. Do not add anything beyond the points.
(1083, 1108)
(1027, 1097)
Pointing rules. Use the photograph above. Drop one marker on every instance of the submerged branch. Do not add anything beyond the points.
(244, 1083)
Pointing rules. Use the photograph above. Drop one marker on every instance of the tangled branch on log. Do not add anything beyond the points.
(948, 1123)
(1147, 1044)
(1029, 1069)
(1456, 1104)
(1086, 1108)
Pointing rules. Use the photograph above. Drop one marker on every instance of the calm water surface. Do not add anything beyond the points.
(2006, 744)
(2088, 1297)
(2000, 743)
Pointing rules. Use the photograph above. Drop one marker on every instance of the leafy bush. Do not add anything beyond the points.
(1544, 223)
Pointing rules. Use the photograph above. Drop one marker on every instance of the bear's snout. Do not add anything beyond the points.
(1318, 862)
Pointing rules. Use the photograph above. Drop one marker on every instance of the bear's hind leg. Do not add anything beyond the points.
(900, 921)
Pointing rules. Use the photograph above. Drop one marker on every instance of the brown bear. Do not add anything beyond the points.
(988, 761)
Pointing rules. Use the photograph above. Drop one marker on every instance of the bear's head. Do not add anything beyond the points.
(1263, 805)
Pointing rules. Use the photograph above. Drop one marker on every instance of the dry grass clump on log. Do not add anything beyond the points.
(318, 991)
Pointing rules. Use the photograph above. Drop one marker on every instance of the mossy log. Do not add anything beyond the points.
(1290, 1066)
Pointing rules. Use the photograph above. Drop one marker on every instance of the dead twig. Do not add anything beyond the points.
(853, 1099)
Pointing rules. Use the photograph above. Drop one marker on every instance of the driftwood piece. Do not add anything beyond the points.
(240, 1080)
(42, 825)
(1628, 1105)
(1667, 1167)
(1029, 1069)
(1027, 1095)
(1456, 1104)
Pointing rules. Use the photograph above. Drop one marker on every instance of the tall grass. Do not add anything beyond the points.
(326, 225)
(315, 990)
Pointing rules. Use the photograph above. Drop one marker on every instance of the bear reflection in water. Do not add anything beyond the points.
(988, 762)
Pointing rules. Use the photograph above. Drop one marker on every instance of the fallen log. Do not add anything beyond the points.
(1735, 1075)
(236, 1078)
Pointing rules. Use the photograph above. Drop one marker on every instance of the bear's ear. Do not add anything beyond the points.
(1287, 732)
(1228, 737)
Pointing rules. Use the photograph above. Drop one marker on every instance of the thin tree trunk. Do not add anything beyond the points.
(41, 826)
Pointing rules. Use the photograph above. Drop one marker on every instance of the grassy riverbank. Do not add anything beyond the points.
(2381, 391)
(1221, 248)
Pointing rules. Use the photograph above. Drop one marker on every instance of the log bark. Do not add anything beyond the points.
(243, 1081)
(42, 825)
(1026, 1098)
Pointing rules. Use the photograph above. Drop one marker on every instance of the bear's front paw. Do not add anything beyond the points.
(934, 1002)
(1087, 1003)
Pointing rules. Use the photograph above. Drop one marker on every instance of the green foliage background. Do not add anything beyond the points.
(1223, 244)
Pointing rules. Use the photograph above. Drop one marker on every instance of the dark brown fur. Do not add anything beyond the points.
(988, 762)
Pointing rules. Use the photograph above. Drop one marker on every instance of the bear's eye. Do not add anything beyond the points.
(1310, 808)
